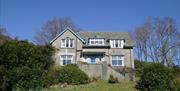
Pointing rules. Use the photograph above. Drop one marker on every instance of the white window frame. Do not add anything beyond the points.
(64, 41)
(67, 57)
(119, 42)
(117, 57)
(96, 41)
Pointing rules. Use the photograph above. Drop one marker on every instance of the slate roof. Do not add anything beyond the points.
(107, 36)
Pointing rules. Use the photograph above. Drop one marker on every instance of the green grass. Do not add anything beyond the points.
(100, 86)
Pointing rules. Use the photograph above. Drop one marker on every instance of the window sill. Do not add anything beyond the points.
(66, 47)
(117, 65)
(117, 48)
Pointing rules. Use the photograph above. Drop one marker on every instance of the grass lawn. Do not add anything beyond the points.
(99, 86)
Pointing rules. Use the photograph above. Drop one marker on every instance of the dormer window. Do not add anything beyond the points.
(96, 41)
(67, 43)
(116, 43)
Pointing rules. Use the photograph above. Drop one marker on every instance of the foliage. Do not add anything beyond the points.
(71, 74)
(156, 77)
(112, 79)
(177, 77)
(139, 67)
(24, 65)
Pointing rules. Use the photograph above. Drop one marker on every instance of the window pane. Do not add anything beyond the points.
(63, 57)
(92, 42)
(67, 43)
(118, 57)
(64, 62)
(114, 57)
(116, 43)
(114, 62)
(119, 62)
(68, 61)
(100, 42)
(69, 57)
(63, 43)
(96, 41)
(71, 42)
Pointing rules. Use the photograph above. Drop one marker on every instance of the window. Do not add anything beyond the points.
(65, 59)
(117, 43)
(118, 60)
(96, 41)
(67, 43)
(71, 43)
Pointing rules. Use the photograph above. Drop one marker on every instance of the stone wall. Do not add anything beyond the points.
(102, 70)
(92, 70)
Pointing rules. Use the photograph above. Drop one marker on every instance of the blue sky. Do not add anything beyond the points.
(24, 18)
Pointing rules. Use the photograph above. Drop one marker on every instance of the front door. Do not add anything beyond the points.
(93, 59)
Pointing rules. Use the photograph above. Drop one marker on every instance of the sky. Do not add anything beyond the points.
(24, 18)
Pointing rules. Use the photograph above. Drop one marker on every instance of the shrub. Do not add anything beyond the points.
(156, 77)
(4, 80)
(71, 74)
(112, 79)
(177, 77)
(139, 66)
(95, 79)
(24, 65)
(28, 78)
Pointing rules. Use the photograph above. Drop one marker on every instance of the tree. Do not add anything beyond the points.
(157, 40)
(140, 37)
(3, 35)
(52, 28)
(2, 31)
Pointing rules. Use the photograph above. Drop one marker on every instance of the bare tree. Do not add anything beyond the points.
(4, 37)
(2, 31)
(140, 37)
(157, 40)
(52, 28)
(178, 50)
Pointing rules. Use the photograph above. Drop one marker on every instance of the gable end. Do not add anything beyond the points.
(67, 29)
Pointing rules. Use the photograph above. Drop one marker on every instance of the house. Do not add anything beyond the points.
(114, 48)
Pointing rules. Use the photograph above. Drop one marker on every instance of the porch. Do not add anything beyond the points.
(92, 57)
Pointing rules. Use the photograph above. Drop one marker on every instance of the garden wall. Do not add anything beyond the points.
(102, 71)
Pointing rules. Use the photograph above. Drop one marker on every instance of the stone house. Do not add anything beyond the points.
(113, 49)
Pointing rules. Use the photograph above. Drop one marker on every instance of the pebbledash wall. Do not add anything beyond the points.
(103, 71)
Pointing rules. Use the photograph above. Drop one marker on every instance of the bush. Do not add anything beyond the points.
(156, 77)
(112, 79)
(94, 79)
(139, 66)
(24, 65)
(71, 74)
(177, 77)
